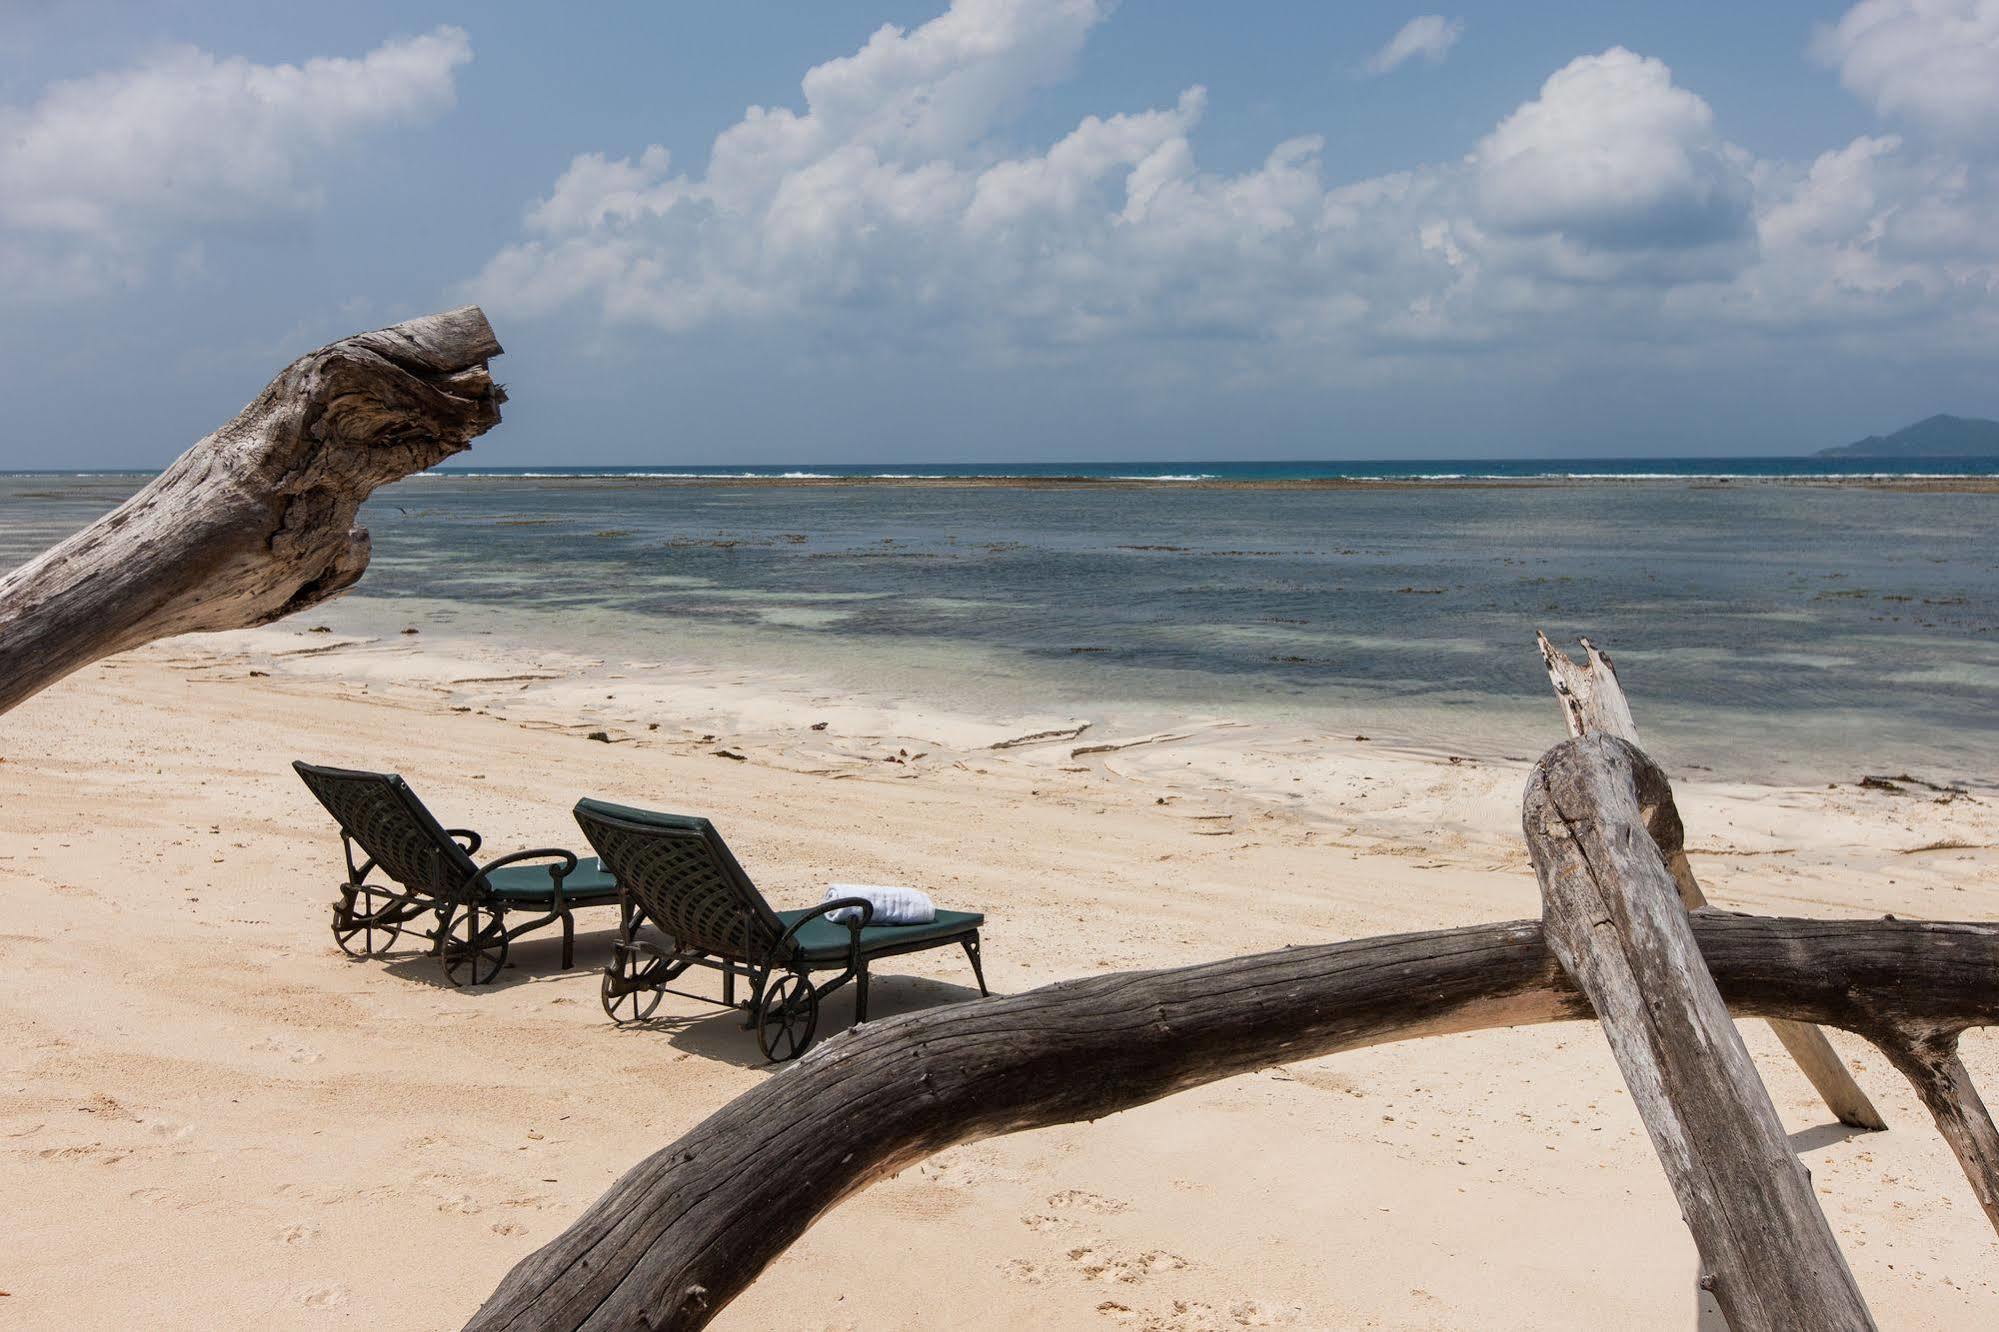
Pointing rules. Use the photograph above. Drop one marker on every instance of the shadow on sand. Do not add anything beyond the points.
(717, 1033)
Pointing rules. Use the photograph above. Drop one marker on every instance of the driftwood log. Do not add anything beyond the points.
(1600, 822)
(257, 520)
(689, 1227)
(1594, 703)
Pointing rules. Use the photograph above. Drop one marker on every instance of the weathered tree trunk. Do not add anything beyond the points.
(688, 1228)
(1613, 918)
(1927, 1055)
(255, 521)
(1594, 703)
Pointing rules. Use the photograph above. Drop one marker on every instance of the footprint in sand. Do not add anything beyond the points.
(1021, 1270)
(508, 1228)
(95, 1151)
(168, 1129)
(291, 1050)
(298, 1234)
(1195, 1316)
(1084, 1200)
(1086, 1261)
(324, 1297)
(965, 1168)
(1128, 1268)
(1150, 1263)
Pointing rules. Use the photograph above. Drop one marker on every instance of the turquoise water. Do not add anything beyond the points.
(1420, 469)
(1401, 469)
(1765, 630)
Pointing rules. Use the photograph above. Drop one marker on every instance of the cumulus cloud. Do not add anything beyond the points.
(1430, 36)
(807, 209)
(1613, 156)
(889, 216)
(1934, 63)
(99, 168)
(1869, 235)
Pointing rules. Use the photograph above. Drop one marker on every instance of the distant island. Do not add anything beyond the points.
(1938, 437)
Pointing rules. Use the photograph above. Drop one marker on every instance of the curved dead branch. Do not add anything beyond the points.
(688, 1228)
(257, 520)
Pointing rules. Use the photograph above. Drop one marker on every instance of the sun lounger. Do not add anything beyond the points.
(678, 875)
(424, 870)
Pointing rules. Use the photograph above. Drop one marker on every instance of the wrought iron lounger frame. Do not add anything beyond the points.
(429, 872)
(676, 873)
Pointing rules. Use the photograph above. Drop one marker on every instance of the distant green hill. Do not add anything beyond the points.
(1938, 437)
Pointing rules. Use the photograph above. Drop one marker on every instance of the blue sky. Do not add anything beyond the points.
(998, 229)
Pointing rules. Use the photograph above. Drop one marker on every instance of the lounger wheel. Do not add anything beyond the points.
(474, 946)
(624, 996)
(355, 927)
(786, 1016)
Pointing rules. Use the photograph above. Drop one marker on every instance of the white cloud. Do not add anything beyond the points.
(100, 168)
(887, 218)
(1871, 234)
(1934, 63)
(1613, 156)
(1430, 36)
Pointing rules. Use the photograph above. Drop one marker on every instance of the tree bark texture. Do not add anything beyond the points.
(1613, 918)
(689, 1227)
(1593, 703)
(256, 521)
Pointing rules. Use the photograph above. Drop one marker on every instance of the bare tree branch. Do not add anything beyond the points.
(688, 1228)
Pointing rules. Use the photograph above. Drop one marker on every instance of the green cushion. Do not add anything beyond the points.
(823, 941)
(528, 884)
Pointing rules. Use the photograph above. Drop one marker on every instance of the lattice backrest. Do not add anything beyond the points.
(387, 821)
(681, 873)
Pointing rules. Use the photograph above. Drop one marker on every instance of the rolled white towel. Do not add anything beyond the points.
(893, 906)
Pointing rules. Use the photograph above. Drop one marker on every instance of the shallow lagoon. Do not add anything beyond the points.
(1765, 630)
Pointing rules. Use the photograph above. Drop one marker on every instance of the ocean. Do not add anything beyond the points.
(1421, 469)
(1767, 628)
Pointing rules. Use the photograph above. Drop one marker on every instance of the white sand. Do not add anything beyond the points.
(210, 1117)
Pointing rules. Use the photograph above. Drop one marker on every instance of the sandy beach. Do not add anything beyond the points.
(223, 1121)
(1125, 471)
